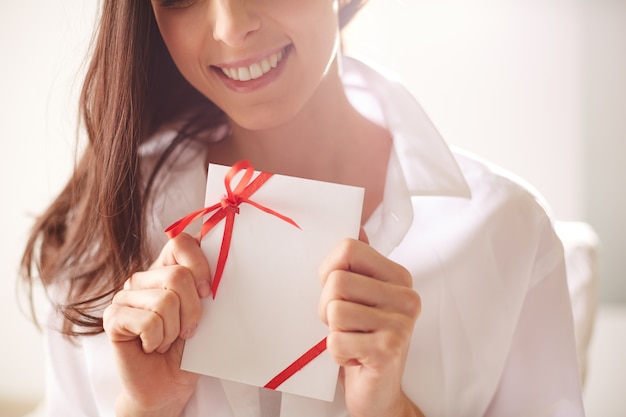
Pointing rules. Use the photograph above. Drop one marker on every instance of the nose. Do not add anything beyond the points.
(234, 21)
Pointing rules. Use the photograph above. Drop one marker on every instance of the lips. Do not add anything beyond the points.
(254, 70)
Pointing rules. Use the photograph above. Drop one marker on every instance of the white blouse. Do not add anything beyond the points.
(495, 337)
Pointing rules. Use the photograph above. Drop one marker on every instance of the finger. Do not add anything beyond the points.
(164, 303)
(359, 289)
(345, 316)
(174, 279)
(376, 350)
(185, 251)
(355, 256)
(363, 335)
(123, 323)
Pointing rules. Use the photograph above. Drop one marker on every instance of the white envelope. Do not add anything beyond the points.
(264, 315)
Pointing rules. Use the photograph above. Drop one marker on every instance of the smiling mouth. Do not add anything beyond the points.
(256, 70)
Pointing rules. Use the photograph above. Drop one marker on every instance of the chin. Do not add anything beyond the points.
(264, 120)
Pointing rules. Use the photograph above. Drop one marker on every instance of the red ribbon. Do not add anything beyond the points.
(298, 364)
(227, 208)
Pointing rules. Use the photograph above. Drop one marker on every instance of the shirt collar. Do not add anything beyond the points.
(420, 164)
(427, 163)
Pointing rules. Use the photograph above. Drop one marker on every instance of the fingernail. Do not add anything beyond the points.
(203, 289)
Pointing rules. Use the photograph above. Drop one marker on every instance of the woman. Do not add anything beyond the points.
(175, 84)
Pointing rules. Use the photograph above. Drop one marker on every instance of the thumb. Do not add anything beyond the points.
(185, 251)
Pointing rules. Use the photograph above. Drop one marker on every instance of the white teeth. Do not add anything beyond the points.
(274, 61)
(255, 70)
(244, 74)
(265, 66)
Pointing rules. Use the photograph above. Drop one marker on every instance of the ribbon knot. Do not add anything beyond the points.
(228, 204)
(227, 208)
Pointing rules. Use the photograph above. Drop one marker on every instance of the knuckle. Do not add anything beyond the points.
(179, 275)
(116, 299)
(331, 343)
(153, 324)
(194, 311)
(338, 281)
(128, 283)
(414, 303)
(342, 253)
(168, 300)
(333, 311)
(179, 241)
(152, 334)
(411, 303)
(347, 245)
(108, 317)
(404, 276)
(336, 346)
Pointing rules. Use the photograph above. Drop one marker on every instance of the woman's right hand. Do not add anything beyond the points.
(147, 323)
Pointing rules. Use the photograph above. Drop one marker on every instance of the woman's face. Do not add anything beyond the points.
(260, 61)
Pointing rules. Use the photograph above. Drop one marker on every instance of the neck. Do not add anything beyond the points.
(328, 141)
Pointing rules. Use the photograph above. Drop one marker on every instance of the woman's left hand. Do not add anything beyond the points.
(370, 307)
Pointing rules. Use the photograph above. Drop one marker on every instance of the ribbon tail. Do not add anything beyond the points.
(272, 212)
(212, 221)
(298, 364)
(224, 249)
(179, 226)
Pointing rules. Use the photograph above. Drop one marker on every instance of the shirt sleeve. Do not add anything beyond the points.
(67, 388)
(540, 377)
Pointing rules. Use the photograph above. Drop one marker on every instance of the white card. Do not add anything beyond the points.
(264, 315)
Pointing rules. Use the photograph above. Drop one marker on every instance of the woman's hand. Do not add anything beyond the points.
(370, 307)
(147, 323)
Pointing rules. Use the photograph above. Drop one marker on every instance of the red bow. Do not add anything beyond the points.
(227, 208)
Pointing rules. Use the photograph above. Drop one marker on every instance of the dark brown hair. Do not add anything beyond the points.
(90, 238)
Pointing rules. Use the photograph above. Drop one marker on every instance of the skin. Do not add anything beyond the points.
(299, 124)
